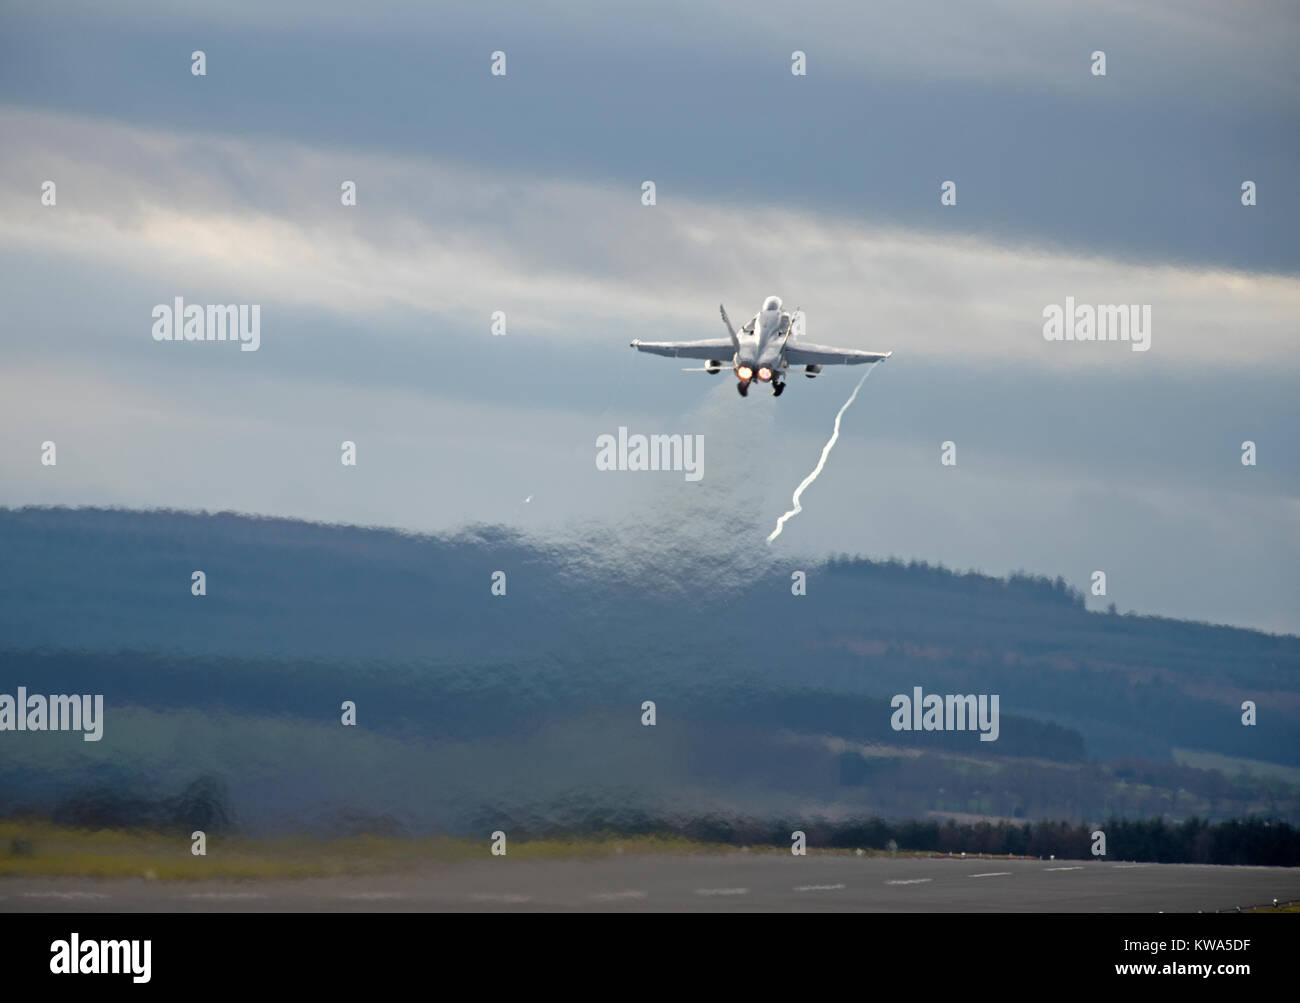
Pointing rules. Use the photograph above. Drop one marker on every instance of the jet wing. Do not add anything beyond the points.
(804, 354)
(720, 349)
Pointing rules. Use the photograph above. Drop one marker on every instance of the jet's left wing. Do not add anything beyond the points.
(719, 349)
(801, 353)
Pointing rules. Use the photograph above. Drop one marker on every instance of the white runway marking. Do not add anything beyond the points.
(1125, 867)
(498, 897)
(225, 895)
(64, 895)
(616, 896)
(909, 881)
(722, 891)
(992, 874)
(1062, 868)
(819, 888)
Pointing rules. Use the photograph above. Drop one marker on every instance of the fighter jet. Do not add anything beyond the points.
(761, 350)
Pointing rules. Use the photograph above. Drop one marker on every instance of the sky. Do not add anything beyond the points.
(522, 194)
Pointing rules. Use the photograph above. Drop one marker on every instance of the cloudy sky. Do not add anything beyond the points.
(522, 193)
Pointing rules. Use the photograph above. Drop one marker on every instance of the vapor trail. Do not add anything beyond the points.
(826, 451)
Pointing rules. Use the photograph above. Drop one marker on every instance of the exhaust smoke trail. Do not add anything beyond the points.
(826, 451)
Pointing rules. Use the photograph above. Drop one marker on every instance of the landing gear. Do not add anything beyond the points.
(778, 388)
(743, 388)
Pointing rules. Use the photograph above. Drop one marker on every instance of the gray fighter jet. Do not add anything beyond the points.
(761, 350)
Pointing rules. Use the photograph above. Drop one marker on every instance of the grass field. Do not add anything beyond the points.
(37, 848)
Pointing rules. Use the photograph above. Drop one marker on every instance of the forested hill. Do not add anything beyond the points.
(298, 617)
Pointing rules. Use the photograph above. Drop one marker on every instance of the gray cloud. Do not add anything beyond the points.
(1145, 163)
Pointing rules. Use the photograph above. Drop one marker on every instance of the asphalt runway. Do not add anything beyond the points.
(733, 882)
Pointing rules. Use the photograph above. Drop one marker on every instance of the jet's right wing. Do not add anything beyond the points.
(801, 353)
(719, 349)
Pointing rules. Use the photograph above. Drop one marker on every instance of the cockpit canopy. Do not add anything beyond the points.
(772, 303)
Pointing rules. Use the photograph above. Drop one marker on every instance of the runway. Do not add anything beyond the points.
(731, 882)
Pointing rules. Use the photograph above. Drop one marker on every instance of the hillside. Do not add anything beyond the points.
(474, 708)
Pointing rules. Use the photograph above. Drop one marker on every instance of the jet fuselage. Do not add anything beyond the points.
(762, 344)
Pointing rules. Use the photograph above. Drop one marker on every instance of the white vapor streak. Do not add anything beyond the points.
(826, 451)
